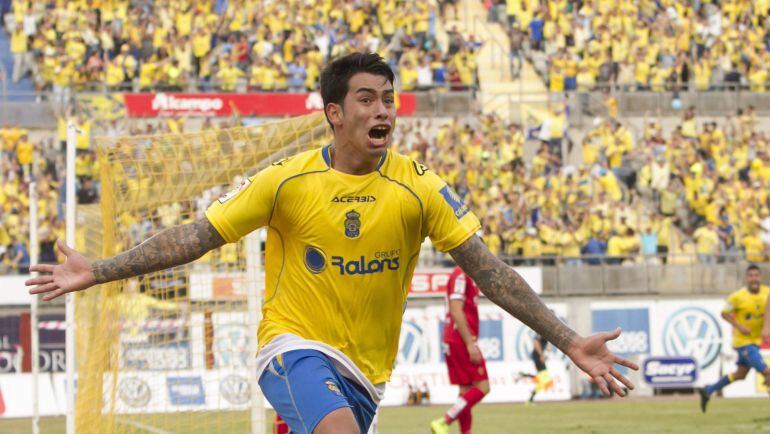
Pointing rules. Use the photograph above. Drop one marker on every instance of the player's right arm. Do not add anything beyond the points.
(456, 286)
(461, 324)
(229, 218)
(728, 314)
(169, 248)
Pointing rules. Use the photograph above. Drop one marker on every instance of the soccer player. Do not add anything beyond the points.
(746, 310)
(464, 360)
(345, 225)
(542, 379)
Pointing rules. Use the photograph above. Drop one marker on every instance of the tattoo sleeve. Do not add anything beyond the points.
(169, 248)
(504, 287)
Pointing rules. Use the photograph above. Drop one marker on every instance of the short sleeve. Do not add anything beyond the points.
(732, 300)
(449, 221)
(244, 208)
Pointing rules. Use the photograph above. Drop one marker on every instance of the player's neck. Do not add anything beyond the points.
(347, 159)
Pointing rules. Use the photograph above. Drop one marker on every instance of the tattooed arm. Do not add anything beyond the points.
(507, 289)
(169, 248)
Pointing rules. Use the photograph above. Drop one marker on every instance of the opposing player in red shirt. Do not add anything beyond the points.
(464, 361)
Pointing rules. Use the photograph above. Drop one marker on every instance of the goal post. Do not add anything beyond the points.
(174, 351)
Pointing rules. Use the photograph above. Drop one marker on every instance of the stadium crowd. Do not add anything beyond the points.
(713, 177)
(236, 45)
(708, 178)
(644, 45)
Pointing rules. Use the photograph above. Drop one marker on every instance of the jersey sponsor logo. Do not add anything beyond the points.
(364, 266)
(134, 392)
(235, 389)
(352, 224)
(315, 259)
(354, 199)
(455, 201)
(420, 169)
(694, 332)
(231, 194)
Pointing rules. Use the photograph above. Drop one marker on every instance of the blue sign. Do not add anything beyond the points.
(635, 324)
(186, 390)
(670, 371)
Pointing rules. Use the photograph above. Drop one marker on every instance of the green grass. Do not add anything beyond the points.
(656, 415)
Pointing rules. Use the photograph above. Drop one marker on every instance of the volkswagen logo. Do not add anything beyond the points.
(134, 392)
(235, 389)
(411, 344)
(525, 337)
(694, 332)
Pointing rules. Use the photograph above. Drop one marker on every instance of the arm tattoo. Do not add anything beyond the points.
(504, 287)
(169, 248)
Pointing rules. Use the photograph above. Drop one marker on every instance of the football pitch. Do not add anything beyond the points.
(649, 415)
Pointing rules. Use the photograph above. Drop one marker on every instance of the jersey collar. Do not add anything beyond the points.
(326, 154)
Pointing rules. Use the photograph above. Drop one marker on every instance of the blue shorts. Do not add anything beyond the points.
(303, 386)
(748, 355)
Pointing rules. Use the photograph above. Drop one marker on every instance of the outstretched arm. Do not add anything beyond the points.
(169, 248)
(504, 287)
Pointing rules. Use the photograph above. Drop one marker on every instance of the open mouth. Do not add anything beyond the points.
(379, 133)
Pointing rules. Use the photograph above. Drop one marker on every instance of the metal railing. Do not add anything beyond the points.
(673, 274)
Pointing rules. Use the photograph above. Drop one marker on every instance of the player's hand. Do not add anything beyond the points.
(475, 353)
(73, 275)
(744, 330)
(766, 333)
(592, 356)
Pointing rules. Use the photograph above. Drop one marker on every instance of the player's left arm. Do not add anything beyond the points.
(506, 288)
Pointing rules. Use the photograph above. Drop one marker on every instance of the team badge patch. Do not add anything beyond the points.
(352, 224)
(315, 259)
(331, 385)
(455, 201)
(231, 194)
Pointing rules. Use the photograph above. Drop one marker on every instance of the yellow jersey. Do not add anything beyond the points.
(749, 311)
(341, 248)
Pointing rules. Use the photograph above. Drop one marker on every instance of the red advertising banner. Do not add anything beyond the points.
(222, 104)
(430, 283)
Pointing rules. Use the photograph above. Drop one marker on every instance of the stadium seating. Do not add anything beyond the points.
(278, 46)
(664, 45)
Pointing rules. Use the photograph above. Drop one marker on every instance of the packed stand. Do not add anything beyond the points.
(539, 211)
(713, 178)
(643, 45)
(248, 45)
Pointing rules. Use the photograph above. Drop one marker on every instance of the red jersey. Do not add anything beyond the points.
(462, 287)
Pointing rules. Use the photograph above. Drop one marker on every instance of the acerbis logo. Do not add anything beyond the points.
(134, 392)
(354, 199)
(235, 389)
(315, 259)
(362, 266)
(694, 332)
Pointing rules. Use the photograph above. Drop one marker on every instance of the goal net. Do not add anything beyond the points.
(173, 351)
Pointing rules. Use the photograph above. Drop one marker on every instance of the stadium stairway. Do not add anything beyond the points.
(10, 91)
(510, 97)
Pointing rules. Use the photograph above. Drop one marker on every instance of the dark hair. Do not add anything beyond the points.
(336, 75)
(752, 267)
